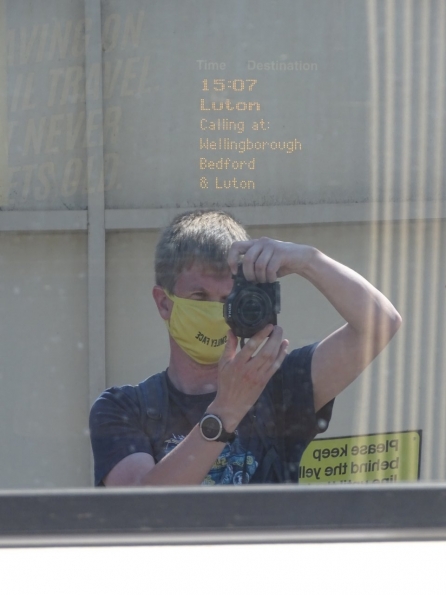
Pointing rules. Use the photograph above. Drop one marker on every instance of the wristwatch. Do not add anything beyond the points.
(211, 428)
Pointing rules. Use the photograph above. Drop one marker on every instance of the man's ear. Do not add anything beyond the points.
(164, 303)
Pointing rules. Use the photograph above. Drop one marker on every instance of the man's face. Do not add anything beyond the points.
(201, 282)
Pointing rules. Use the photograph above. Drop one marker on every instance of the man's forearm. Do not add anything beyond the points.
(187, 464)
(359, 303)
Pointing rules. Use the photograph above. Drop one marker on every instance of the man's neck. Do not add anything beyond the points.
(188, 376)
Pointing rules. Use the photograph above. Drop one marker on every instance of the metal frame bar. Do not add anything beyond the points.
(127, 219)
(96, 218)
(223, 515)
(4, 150)
(43, 221)
(149, 219)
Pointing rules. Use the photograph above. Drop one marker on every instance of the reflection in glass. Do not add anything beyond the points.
(314, 123)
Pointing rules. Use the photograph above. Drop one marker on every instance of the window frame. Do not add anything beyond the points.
(223, 515)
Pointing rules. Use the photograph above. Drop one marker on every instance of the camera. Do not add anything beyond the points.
(251, 306)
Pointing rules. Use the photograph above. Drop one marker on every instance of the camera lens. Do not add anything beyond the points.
(251, 306)
(252, 310)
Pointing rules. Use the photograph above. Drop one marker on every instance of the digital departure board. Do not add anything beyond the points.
(243, 104)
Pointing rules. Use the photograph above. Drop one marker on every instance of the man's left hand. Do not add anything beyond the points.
(265, 260)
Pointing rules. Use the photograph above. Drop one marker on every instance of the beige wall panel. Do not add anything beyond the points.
(43, 361)
(136, 337)
(404, 389)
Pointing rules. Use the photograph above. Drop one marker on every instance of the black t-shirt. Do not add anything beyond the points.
(278, 428)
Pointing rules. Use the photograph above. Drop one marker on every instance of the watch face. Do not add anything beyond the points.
(211, 427)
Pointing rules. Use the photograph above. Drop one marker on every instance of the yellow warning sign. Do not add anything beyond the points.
(370, 458)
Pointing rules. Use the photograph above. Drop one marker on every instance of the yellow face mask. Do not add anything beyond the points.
(199, 328)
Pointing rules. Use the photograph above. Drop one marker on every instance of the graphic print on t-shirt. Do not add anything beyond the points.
(234, 465)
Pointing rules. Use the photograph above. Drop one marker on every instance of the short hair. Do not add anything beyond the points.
(203, 236)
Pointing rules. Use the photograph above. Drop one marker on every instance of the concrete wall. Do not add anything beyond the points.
(44, 360)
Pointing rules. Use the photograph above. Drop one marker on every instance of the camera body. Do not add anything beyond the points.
(251, 306)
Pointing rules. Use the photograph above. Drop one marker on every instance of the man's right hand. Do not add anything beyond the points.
(243, 376)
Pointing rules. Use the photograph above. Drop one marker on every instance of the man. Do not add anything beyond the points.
(229, 415)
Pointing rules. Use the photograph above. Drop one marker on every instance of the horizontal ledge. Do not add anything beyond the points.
(253, 514)
(223, 538)
(43, 220)
(141, 219)
(128, 219)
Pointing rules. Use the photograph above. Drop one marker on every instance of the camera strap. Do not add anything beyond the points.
(289, 466)
(153, 397)
(273, 458)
